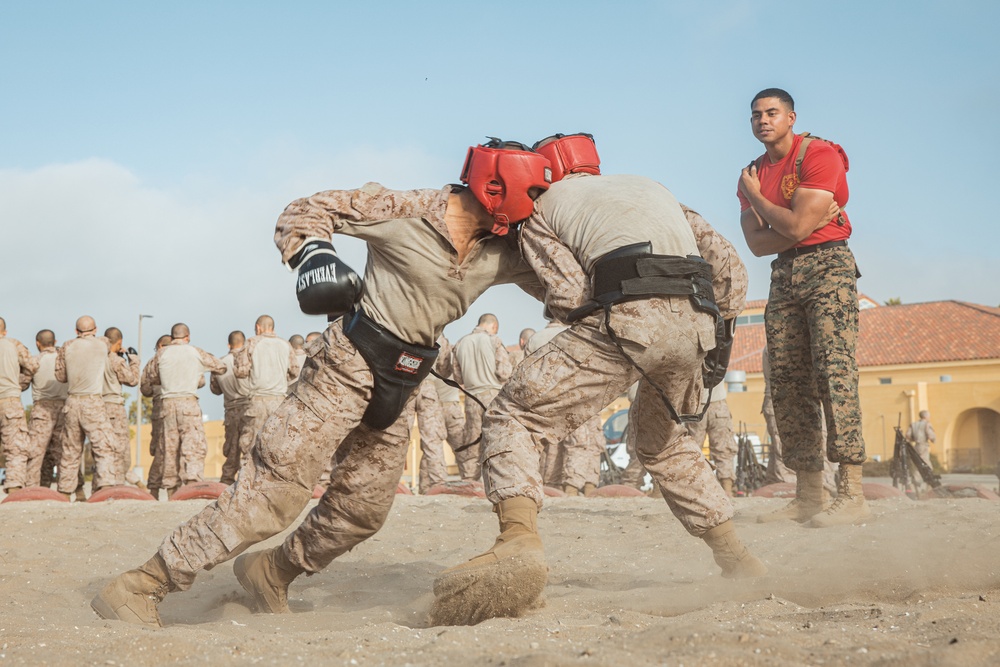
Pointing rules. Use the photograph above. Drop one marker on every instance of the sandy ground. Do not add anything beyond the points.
(919, 584)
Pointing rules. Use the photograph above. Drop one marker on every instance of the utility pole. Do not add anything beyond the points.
(138, 408)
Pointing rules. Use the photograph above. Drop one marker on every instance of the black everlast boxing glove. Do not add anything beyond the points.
(325, 286)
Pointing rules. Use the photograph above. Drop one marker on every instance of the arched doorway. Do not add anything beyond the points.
(975, 442)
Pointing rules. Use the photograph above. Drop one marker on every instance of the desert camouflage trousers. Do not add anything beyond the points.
(232, 425)
(184, 446)
(154, 479)
(118, 419)
(433, 434)
(468, 460)
(777, 471)
(580, 371)
(811, 323)
(15, 442)
(576, 460)
(718, 424)
(258, 409)
(85, 417)
(46, 432)
(322, 418)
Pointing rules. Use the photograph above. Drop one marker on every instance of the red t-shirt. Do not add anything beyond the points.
(822, 169)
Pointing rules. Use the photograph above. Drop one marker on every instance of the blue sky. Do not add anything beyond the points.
(147, 148)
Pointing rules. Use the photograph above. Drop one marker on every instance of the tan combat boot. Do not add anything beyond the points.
(265, 575)
(132, 597)
(505, 581)
(81, 496)
(808, 500)
(731, 554)
(727, 487)
(570, 490)
(589, 488)
(850, 505)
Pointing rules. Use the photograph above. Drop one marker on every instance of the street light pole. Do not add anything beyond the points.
(138, 408)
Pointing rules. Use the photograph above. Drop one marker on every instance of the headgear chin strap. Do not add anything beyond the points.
(570, 154)
(501, 175)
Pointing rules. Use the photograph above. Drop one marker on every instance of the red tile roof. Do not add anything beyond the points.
(906, 334)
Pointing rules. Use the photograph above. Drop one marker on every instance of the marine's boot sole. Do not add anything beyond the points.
(474, 592)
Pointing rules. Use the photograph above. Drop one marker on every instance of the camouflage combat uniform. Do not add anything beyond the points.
(300, 361)
(154, 479)
(414, 287)
(482, 365)
(777, 471)
(921, 434)
(235, 392)
(80, 363)
(178, 368)
(119, 372)
(16, 368)
(269, 364)
(430, 425)
(449, 398)
(718, 425)
(576, 460)
(48, 398)
(811, 322)
(570, 379)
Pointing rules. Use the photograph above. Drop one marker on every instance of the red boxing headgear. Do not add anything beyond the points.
(501, 175)
(570, 154)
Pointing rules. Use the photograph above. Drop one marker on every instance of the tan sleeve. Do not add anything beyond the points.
(213, 385)
(211, 362)
(127, 373)
(60, 370)
(241, 359)
(565, 284)
(150, 376)
(132, 370)
(729, 274)
(502, 357)
(293, 365)
(29, 364)
(336, 211)
(444, 365)
(457, 368)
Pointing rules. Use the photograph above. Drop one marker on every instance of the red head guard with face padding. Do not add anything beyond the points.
(501, 175)
(570, 154)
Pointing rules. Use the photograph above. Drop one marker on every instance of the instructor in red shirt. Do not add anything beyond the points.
(792, 203)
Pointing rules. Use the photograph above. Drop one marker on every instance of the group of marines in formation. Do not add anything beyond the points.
(77, 396)
(649, 292)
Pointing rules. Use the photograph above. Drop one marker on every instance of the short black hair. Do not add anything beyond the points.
(775, 92)
(45, 338)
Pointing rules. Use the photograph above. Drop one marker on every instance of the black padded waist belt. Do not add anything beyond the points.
(397, 368)
(792, 253)
(634, 272)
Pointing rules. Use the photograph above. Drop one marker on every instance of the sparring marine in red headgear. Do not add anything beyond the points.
(570, 154)
(502, 175)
